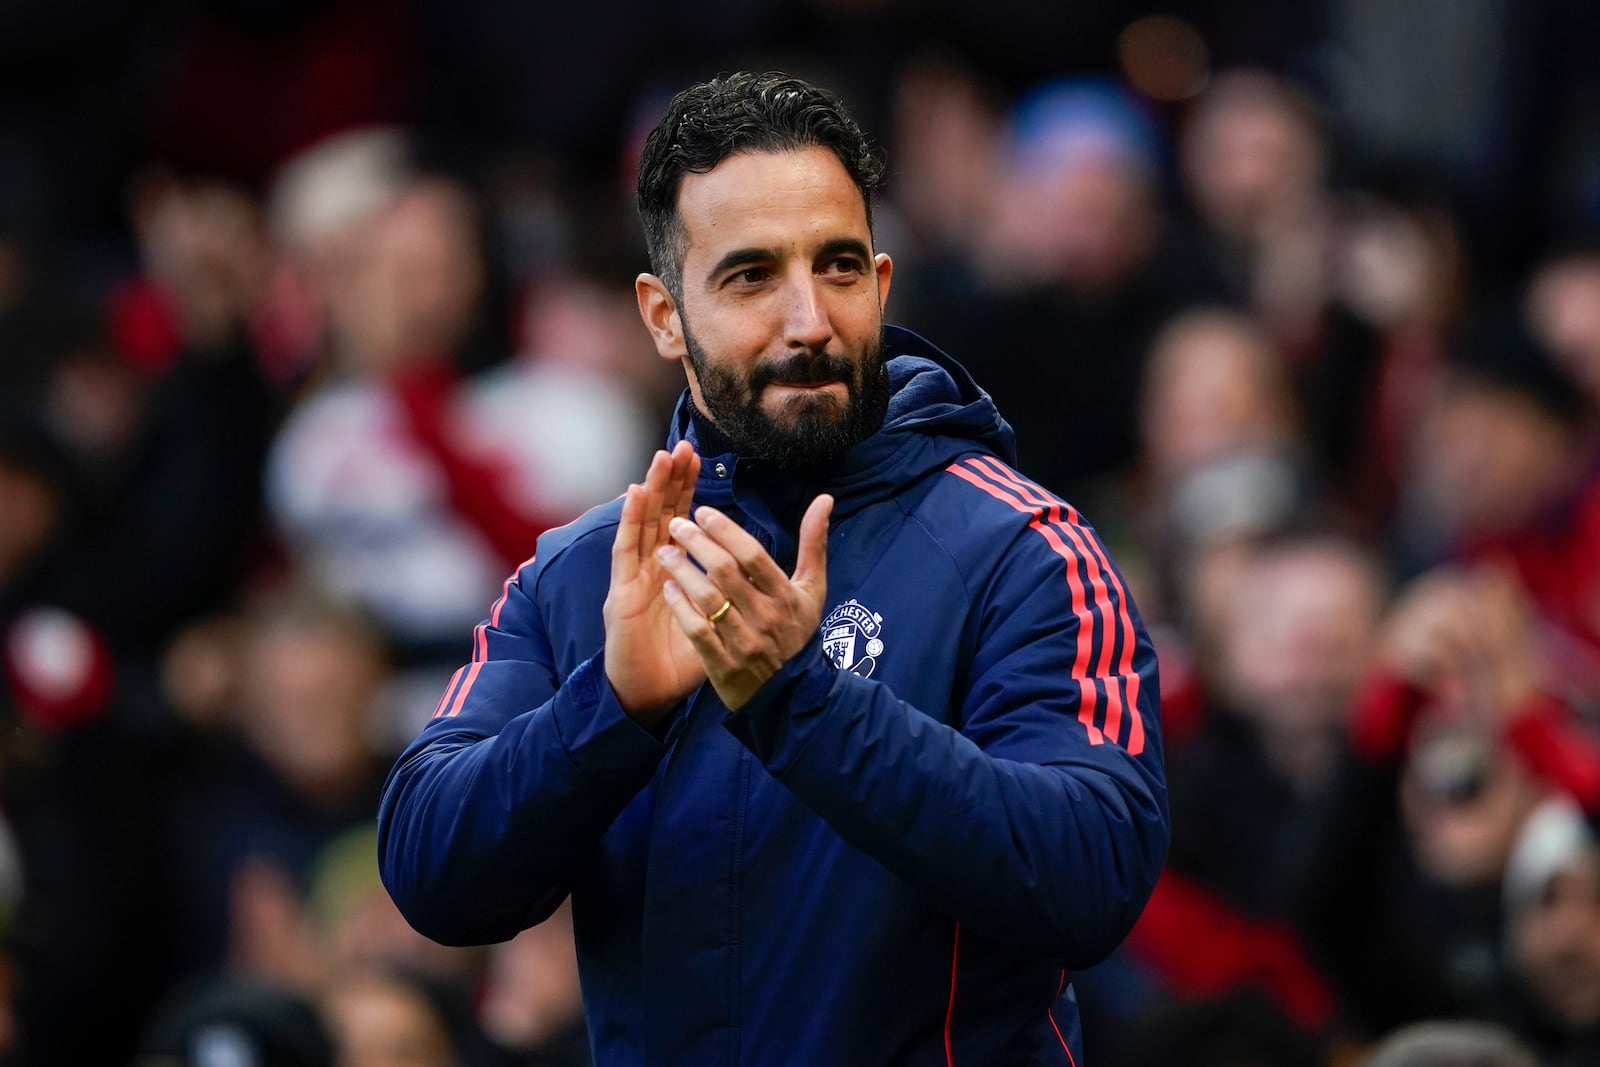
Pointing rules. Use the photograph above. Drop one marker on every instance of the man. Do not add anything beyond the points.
(841, 735)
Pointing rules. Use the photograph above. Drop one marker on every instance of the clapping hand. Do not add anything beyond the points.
(744, 617)
(649, 661)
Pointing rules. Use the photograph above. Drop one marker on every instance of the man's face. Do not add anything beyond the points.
(781, 316)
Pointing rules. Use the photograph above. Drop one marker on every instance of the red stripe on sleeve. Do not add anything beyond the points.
(1136, 730)
(1129, 675)
(449, 690)
(1102, 577)
(505, 591)
(480, 633)
(466, 687)
(1086, 623)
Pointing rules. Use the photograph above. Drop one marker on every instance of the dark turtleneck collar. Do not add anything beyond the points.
(712, 441)
(786, 492)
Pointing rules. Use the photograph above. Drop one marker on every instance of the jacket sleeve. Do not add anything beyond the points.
(1041, 818)
(514, 780)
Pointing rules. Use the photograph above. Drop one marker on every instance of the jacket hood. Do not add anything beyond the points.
(936, 413)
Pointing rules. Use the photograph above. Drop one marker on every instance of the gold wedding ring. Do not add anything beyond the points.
(716, 616)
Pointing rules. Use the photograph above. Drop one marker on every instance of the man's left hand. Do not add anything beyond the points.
(744, 616)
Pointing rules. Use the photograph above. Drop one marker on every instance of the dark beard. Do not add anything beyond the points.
(817, 431)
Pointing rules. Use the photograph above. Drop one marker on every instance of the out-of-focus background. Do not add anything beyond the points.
(314, 314)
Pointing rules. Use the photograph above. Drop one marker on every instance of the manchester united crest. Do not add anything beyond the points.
(852, 637)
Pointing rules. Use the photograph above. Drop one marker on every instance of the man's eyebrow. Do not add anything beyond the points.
(744, 257)
(740, 257)
(843, 246)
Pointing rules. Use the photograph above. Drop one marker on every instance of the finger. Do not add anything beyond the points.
(705, 594)
(625, 547)
(723, 567)
(680, 484)
(679, 490)
(670, 495)
(729, 552)
(684, 505)
(811, 566)
(701, 634)
(655, 482)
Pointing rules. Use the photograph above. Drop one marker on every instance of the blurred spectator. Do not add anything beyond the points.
(252, 801)
(381, 1019)
(167, 435)
(1254, 162)
(396, 479)
(1241, 1030)
(238, 1023)
(1297, 641)
(1295, 635)
(321, 211)
(203, 254)
(1504, 470)
(1214, 392)
(560, 415)
(352, 926)
(532, 1006)
(1397, 293)
(361, 500)
(946, 135)
(1402, 874)
(1563, 309)
(1455, 1044)
(1553, 903)
(1496, 450)
(1078, 270)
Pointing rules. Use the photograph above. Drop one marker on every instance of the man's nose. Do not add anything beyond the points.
(807, 324)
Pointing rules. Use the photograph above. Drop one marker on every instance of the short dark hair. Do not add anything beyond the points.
(730, 114)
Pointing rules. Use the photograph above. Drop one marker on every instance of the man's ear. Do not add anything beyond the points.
(660, 314)
(884, 266)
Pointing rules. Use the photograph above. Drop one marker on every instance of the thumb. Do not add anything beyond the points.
(811, 568)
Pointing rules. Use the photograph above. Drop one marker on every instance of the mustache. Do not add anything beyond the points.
(803, 370)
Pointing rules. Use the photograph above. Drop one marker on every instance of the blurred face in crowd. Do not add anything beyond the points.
(1250, 155)
(1086, 221)
(416, 279)
(381, 1022)
(1556, 943)
(1564, 309)
(28, 510)
(1488, 459)
(779, 327)
(1463, 801)
(1295, 649)
(532, 993)
(1213, 387)
(310, 688)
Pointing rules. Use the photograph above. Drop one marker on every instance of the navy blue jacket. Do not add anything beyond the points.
(896, 852)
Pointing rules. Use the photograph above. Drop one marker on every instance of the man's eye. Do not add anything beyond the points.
(844, 266)
(751, 275)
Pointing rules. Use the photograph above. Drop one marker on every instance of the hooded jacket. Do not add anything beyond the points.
(896, 852)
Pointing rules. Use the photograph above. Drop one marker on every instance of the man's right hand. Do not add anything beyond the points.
(649, 662)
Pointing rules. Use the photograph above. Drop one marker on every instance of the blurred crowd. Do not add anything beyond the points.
(296, 365)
